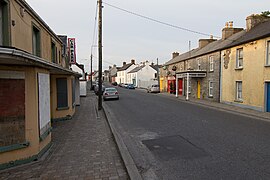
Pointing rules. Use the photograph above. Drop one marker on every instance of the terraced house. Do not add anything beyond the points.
(196, 73)
(35, 84)
(245, 77)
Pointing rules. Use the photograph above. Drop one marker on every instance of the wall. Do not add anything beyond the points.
(253, 75)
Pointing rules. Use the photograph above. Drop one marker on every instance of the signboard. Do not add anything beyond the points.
(72, 50)
(44, 102)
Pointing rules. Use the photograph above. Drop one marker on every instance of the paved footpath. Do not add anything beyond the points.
(83, 148)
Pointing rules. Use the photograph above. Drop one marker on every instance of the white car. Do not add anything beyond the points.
(110, 93)
(153, 89)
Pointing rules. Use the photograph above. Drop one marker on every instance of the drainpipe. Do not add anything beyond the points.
(187, 86)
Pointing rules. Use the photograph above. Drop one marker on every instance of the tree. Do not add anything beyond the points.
(265, 13)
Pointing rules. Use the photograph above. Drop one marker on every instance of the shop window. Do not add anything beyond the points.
(239, 58)
(62, 93)
(36, 42)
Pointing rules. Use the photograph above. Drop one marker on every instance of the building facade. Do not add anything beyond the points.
(122, 72)
(35, 88)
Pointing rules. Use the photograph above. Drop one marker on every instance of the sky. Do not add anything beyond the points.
(126, 36)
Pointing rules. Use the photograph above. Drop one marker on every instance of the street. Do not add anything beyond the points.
(172, 139)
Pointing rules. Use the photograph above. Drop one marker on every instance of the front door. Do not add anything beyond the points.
(199, 89)
(180, 87)
(268, 97)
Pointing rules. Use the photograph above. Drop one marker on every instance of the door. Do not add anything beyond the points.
(268, 97)
(199, 90)
(180, 87)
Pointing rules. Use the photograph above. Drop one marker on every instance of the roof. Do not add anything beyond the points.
(125, 67)
(211, 47)
(136, 69)
(260, 31)
(156, 67)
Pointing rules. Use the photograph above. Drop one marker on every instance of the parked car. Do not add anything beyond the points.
(125, 85)
(120, 84)
(153, 89)
(114, 83)
(96, 89)
(130, 86)
(110, 93)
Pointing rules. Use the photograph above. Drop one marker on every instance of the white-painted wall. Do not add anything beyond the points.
(145, 77)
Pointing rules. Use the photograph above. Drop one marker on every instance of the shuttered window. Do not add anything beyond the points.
(62, 93)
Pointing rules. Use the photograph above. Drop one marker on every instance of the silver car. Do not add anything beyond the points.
(153, 89)
(110, 93)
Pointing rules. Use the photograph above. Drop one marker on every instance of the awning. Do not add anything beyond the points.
(192, 74)
(13, 56)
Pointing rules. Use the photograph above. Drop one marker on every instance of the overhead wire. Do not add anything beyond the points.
(158, 21)
(94, 32)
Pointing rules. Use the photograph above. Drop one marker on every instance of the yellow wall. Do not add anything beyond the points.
(21, 32)
(61, 113)
(31, 117)
(253, 75)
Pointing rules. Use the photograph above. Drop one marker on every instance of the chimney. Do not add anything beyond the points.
(175, 54)
(205, 42)
(255, 19)
(110, 67)
(229, 30)
(133, 61)
(114, 65)
(124, 63)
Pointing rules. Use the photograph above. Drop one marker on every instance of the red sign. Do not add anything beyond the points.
(72, 50)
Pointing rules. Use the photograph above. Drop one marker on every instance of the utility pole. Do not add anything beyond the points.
(91, 61)
(100, 55)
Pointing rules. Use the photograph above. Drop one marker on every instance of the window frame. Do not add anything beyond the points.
(5, 23)
(239, 58)
(237, 92)
(53, 52)
(36, 50)
(267, 63)
(199, 63)
(211, 63)
(210, 88)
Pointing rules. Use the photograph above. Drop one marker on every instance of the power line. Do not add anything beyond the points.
(158, 21)
(95, 28)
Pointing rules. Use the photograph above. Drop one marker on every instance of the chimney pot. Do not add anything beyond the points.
(124, 63)
(175, 54)
(133, 61)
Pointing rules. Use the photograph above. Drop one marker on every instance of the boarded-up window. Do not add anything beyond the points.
(12, 111)
(62, 92)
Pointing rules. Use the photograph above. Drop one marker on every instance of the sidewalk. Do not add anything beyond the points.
(224, 107)
(83, 148)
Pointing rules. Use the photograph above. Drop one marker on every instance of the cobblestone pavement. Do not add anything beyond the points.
(83, 148)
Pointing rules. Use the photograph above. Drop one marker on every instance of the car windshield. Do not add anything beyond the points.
(110, 90)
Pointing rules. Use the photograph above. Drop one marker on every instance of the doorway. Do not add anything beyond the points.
(198, 89)
(268, 97)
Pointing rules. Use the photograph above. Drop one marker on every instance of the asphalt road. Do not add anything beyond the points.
(170, 139)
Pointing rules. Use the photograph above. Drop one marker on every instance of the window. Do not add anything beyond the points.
(4, 24)
(36, 41)
(211, 89)
(199, 64)
(211, 63)
(268, 54)
(239, 91)
(53, 52)
(62, 93)
(239, 58)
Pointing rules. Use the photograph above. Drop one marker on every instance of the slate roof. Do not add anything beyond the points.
(155, 67)
(211, 47)
(125, 67)
(260, 31)
(136, 69)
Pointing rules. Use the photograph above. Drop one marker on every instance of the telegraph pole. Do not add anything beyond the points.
(100, 55)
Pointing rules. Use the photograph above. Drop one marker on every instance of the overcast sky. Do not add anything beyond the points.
(127, 37)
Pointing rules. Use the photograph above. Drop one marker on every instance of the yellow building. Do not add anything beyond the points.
(35, 85)
(245, 76)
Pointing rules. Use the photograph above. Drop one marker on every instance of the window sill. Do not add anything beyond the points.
(238, 101)
(14, 147)
(211, 71)
(62, 108)
(210, 96)
(267, 65)
(240, 68)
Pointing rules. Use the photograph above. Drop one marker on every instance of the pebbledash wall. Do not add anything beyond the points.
(30, 74)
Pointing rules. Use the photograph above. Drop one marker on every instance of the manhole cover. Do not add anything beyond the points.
(170, 147)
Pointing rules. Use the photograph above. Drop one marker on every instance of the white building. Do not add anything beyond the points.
(122, 72)
(143, 75)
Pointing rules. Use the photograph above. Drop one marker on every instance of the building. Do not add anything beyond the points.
(122, 71)
(113, 73)
(35, 85)
(245, 68)
(143, 75)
